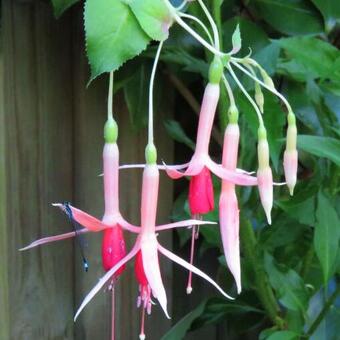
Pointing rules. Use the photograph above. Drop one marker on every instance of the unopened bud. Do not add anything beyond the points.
(259, 97)
(265, 184)
(290, 158)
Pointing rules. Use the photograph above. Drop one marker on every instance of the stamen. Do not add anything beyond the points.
(194, 236)
(142, 334)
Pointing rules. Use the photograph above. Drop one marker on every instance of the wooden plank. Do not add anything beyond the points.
(90, 115)
(38, 169)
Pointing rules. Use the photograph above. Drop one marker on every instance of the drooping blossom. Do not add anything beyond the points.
(290, 157)
(228, 205)
(146, 248)
(264, 173)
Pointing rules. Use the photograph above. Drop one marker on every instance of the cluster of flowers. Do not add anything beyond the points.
(201, 198)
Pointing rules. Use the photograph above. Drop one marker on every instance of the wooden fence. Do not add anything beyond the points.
(51, 130)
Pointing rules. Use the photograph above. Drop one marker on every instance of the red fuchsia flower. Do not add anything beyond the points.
(146, 247)
(228, 206)
(290, 158)
(264, 173)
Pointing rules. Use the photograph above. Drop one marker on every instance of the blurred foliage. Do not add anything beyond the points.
(290, 270)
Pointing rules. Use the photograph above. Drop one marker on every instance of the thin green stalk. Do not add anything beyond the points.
(263, 289)
(323, 312)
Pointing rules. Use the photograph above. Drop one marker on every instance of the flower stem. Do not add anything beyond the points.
(263, 289)
(110, 98)
(152, 80)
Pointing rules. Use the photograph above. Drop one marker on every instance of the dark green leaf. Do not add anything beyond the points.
(178, 331)
(113, 35)
(153, 16)
(136, 92)
(290, 16)
(283, 335)
(314, 56)
(321, 146)
(330, 10)
(60, 6)
(327, 235)
(288, 285)
(176, 131)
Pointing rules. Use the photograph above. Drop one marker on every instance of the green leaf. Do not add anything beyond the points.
(288, 285)
(153, 16)
(60, 6)
(236, 40)
(327, 235)
(136, 92)
(326, 147)
(176, 131)
(317, 58)
(178, 331)
(283, 335)
(330, 10)
(113, 35)
(290, 16)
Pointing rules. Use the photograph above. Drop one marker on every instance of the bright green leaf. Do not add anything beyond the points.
(326, 147)
(236, 40)
(290, 16)
(60, 6)
(113, 35)
(327, 235)
(176, 131)
(153, 16)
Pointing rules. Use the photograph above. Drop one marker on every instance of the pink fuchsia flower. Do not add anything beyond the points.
(228, 205)
(200, 159)
(264, 173)
(147, 247)
(290, 158)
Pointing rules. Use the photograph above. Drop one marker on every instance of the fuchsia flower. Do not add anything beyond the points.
(201, 159)
(228, 206)
(146, 249)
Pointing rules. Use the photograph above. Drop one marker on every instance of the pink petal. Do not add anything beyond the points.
(231, 176)
(89, 222)
(50, 239)
(160, 167)
(128, 226)
(107, 277)
(194, 167)
(149, 248)
(191, 268)
(180, 224)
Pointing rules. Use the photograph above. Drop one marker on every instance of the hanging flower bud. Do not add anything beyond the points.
(201, 193)
(290, 157)
(228, 205)
(113, 248)
(264, 173)
(259, 97)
